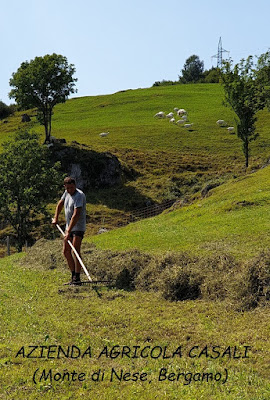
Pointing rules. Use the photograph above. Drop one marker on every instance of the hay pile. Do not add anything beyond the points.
(177, 276)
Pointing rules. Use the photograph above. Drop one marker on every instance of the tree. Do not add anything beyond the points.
(6, 111)
(243, 95)
(192, 71)
(28, 183)
(263, 77)
(212, 75)
(43, 83)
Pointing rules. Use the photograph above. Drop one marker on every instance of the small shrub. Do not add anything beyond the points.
(165, 82)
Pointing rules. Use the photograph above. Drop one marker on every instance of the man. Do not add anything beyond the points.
(74, 202)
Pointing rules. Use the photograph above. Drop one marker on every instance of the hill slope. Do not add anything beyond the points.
(128, 116)
(165, 161)
(168, 161)
(234, 219)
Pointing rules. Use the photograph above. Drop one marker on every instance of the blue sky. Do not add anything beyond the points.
(124, 44)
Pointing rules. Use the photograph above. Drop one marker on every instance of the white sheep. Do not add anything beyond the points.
(188, 126)
(180, 122)
(230, 129)
(181, 111)
(184, 118)
(221, 122)
(176, 109)
(104, 134)
(170, 115)
(172, 120)
(160, 114)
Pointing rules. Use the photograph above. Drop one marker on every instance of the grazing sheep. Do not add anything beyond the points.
(160, 114)
(180, 122)
(172, 120)
(170, 115)
(221, 122)
(188, 126)
(184, 118)
(230, 129)
(181, 111)
(104, 134)
(176, 109)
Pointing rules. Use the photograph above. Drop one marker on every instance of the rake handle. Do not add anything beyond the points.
(76, 254)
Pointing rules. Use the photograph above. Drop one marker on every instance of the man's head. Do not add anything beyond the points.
(70, 185)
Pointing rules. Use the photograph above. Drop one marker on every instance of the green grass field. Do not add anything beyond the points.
(206, 337)
(170, 162)
(232, 219)
(128, 116)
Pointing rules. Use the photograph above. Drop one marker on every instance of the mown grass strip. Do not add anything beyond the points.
(38, 311)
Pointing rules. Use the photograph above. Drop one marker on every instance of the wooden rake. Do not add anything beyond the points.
(90, 280)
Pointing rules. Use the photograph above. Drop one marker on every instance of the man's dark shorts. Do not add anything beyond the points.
(76, 233)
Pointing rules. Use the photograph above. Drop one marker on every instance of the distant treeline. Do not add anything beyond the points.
(208, 76)
(193, 72)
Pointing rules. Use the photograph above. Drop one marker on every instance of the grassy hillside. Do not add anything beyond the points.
(211, 336)
(232, 219)
(128, 116)
(167, 161)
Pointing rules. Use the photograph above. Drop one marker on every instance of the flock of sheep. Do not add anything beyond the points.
(180, 113)
(222, 123)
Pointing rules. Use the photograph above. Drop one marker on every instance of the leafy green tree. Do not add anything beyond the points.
(193, 70)
(263, 77)
(212, 75)
(43, 83)
(6, 111)
(28, 182)
(243, 95)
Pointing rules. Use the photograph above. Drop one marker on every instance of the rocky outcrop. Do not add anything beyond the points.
(89, 168)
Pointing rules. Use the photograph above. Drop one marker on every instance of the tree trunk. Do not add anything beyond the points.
(50, 123)
(47, 119)
(246, 152)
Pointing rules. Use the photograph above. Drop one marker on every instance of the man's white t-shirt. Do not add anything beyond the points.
(70, 203)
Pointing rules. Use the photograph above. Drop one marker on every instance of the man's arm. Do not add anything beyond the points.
(58, 209)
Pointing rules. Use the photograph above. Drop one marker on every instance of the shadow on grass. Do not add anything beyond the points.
(121, 197)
